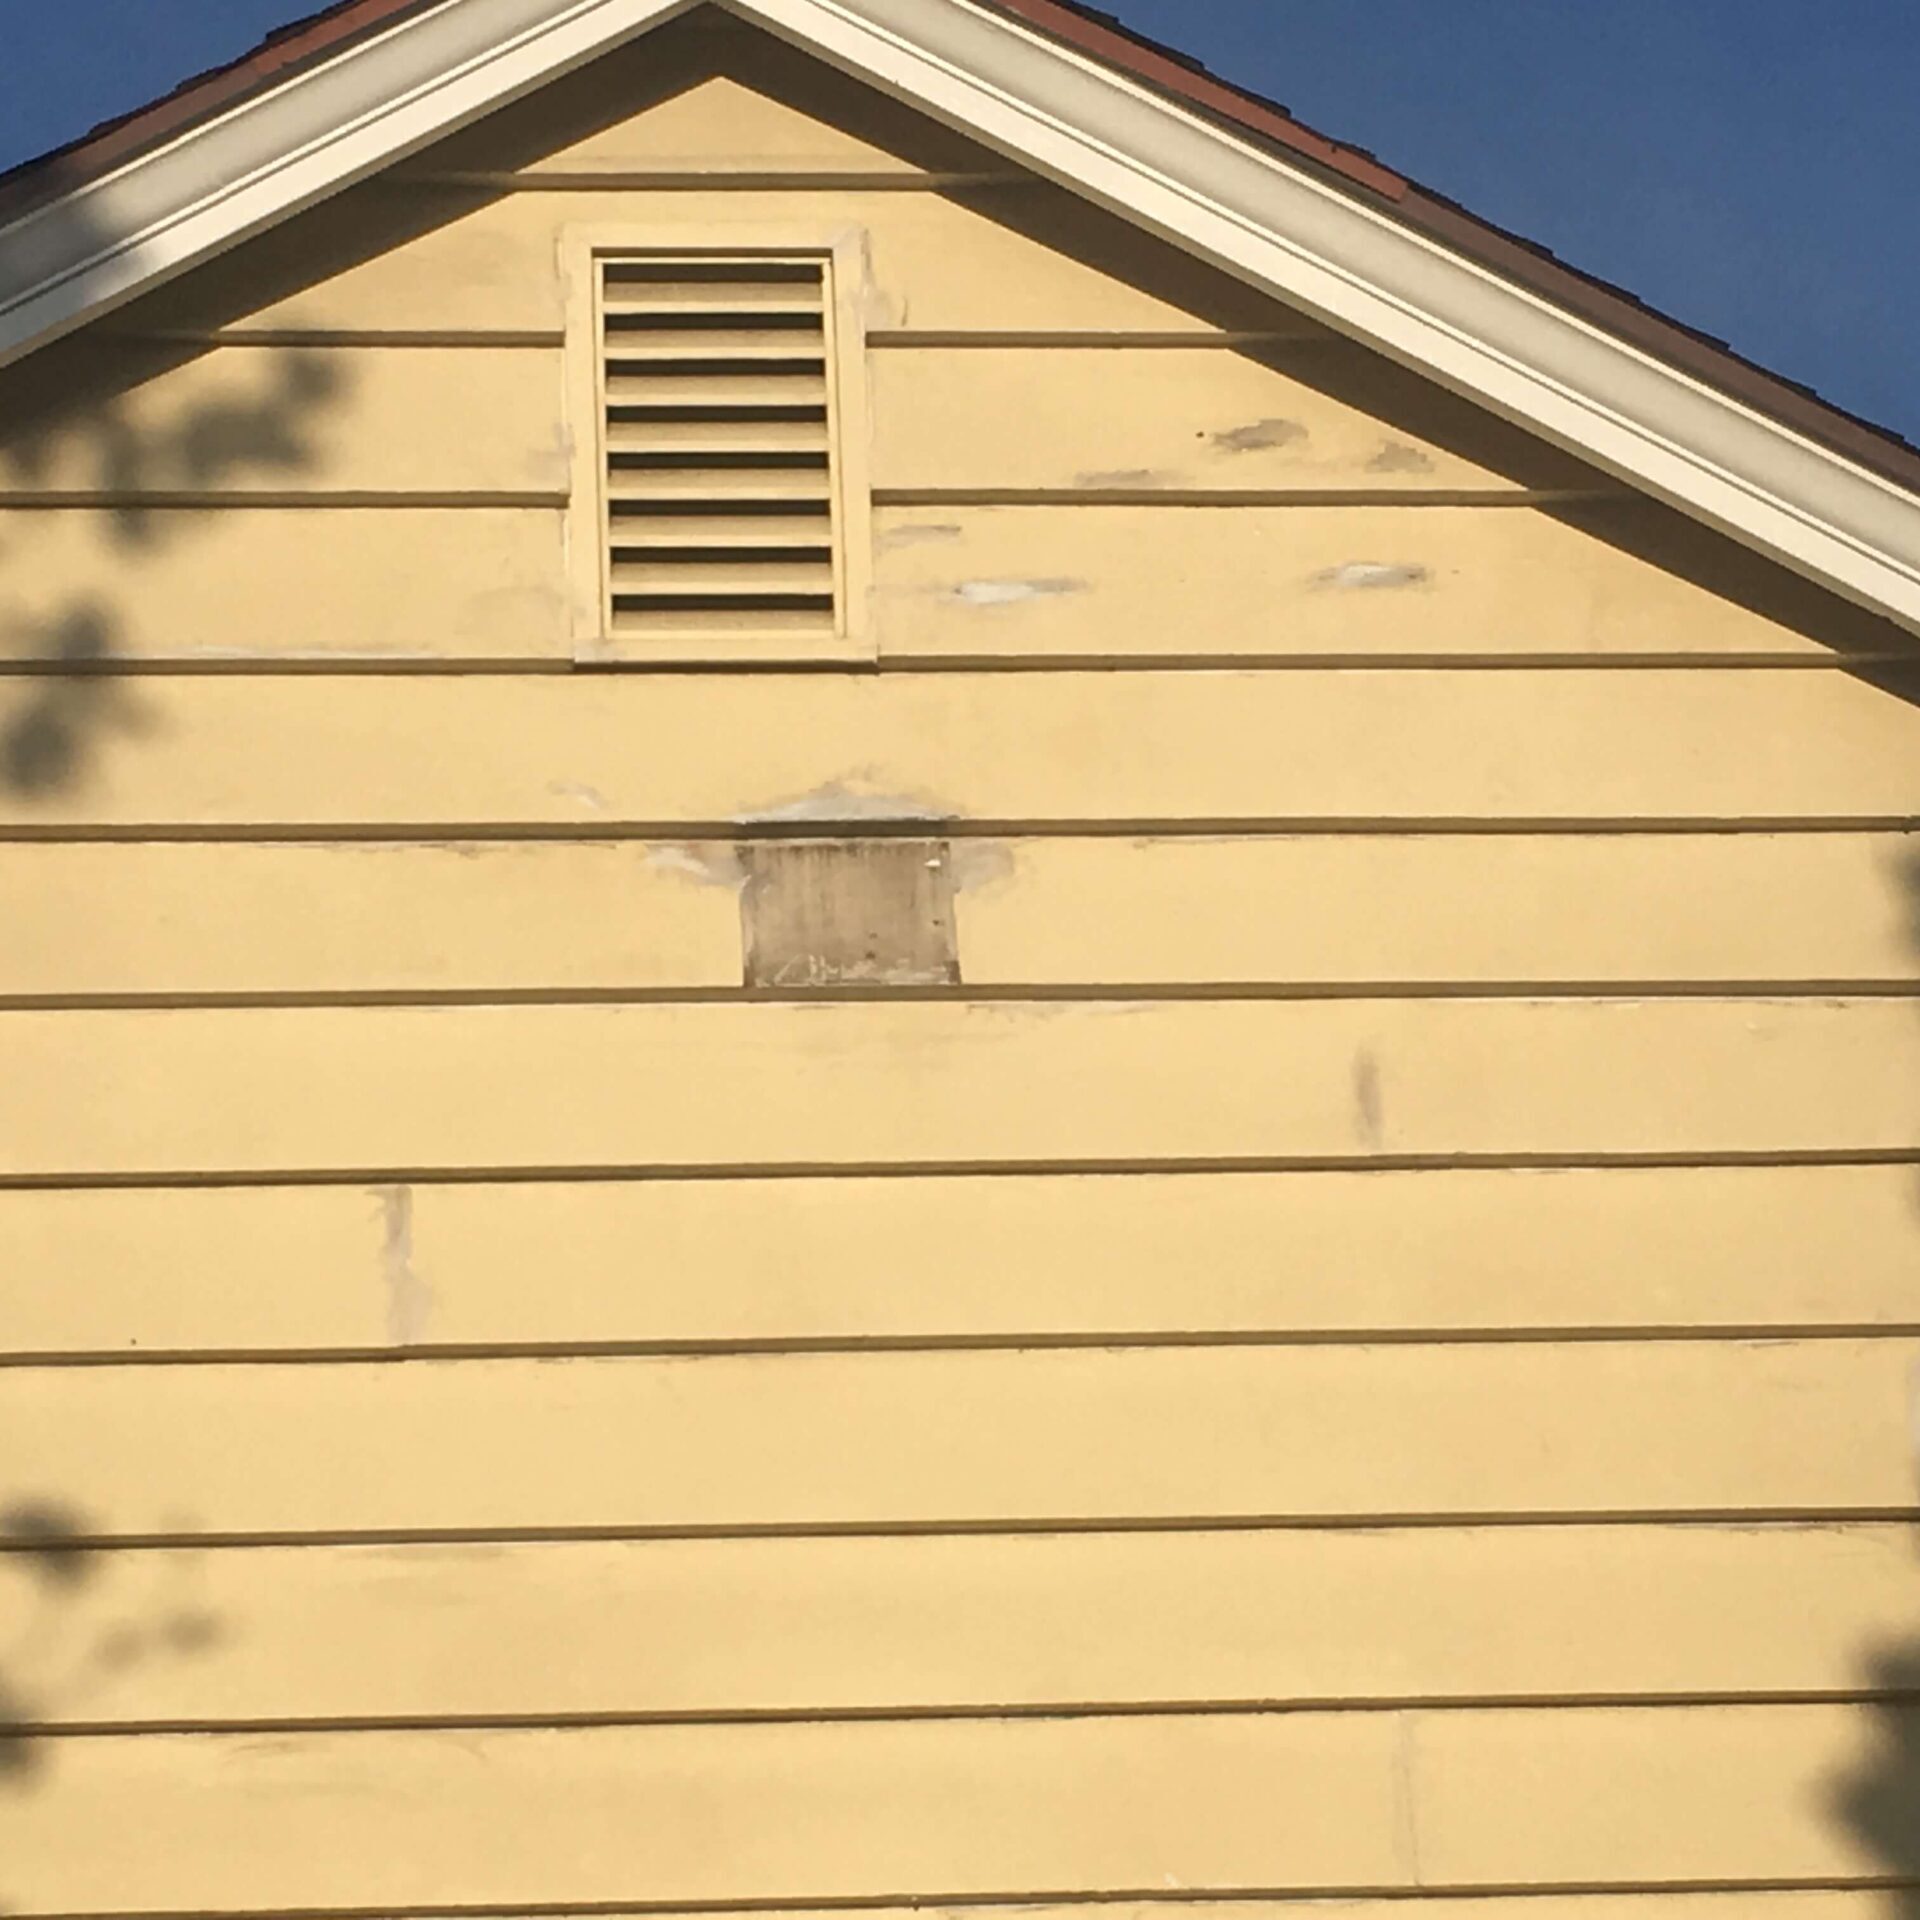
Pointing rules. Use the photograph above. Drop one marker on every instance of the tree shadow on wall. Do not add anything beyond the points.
(1878, 1800)
(92, 452)
(58, 1650)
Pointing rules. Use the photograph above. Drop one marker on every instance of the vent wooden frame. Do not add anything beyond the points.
(717, 393)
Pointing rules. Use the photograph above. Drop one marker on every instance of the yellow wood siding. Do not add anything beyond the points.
(479, 423)
(986, 1084)
(1361, 1352)
(1180, 420)
(1028, 1258)
(1287, 914)
(952, 582)
(482, 422)
(1709, 1428)
(1113, 1806)
(1241, 1619)
(475, 262)
(1034, 1258)
(1092, 749)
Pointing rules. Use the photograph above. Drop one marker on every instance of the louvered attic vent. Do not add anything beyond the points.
(720, 489)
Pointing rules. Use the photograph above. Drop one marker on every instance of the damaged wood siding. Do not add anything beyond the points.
(848, 913)
(1244, 1235)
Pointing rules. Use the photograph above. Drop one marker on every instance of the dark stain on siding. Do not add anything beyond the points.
(1395, 456)
(1260, 436)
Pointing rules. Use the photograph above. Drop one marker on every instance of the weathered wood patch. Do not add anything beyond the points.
(828, 913)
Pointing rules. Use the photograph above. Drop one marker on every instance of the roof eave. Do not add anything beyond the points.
(1280, 225)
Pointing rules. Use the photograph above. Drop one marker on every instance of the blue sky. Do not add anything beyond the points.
(1750, 166)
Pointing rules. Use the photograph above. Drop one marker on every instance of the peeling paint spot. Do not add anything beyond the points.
(1260, 436)
(919, 534)
(409, 1298)
(1369, 1113)
(1397, 457)
(839, 804)
(1007, 593)
(574, 790)
(711, 863)
(875, 306)
(1406, 1801)
(1128, 477)
(978, 864)
(1365, 574)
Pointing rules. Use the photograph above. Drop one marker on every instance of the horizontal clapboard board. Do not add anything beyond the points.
(372, 1090)
(1276, 914)
(1015, 1258)
(941, 1623)
(384, 753)
(487, 420)
(918, 1439)
(1303, 1802)
(1016, 584)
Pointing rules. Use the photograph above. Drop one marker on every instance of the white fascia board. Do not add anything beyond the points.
(231, 176)
(1273, 223)
(1282, 228)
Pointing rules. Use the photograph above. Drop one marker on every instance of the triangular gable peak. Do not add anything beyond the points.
(1036, 82)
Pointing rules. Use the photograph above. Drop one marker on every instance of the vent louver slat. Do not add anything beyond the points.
(719, 446)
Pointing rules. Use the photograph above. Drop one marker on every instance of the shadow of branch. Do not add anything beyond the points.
(45, 1543)
(1878, 1801)
(52, 1559)
(74, 430)
(47, 736)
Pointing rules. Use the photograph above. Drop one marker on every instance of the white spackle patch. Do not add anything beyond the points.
(1007, 593)
(712, 863)
(839, 804)
(1363, 575)
(574, 790)
(409, 1298)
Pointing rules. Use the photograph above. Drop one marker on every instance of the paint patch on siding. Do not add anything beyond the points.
(1397, 457)
(1134, 477)
(1366, 575)
(575, 790)
(1406, 1798)
(409, 1298)
(836, 913)
(1259, 436)
(1007, 593)
(1369, 1109)
(921, 534)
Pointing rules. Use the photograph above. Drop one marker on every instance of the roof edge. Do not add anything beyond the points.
(370, 97)
(1510, 254)
(1288, 221)
(1289, 229)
